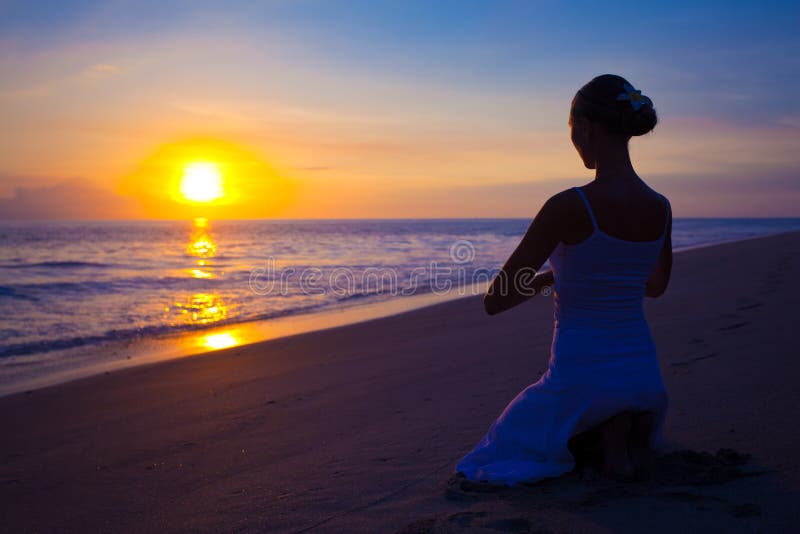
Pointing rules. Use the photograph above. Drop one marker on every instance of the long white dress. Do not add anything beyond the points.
(602, 361)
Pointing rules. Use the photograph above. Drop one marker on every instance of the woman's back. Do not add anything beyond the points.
(600, 280)
(630, 211)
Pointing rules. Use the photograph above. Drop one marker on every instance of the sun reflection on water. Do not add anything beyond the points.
(222, 340)
(203, 308)
(202, 246)
(200, 308)
(197, 273)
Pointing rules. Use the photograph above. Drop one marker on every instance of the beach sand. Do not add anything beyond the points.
(357, 428)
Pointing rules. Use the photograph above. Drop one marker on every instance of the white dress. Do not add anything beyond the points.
(602, 361)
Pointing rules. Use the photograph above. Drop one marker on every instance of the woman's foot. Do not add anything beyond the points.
(641, 455)
(616, 462)
(619, 468)
(642, 460)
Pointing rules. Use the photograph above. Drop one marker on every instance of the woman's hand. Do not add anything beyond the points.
(494, 305)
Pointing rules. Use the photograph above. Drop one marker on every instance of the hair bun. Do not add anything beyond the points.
(611, 101)
(639, 122)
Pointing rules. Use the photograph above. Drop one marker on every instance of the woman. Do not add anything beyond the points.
(609, 245)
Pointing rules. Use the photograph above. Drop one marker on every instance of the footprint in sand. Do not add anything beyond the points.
(465, 519)
(513, 524)
(671, 479)
(730, 321)
(458, 487)
(678, 468)
(733, 326)
(422, 526)
(700, 350)
(747, 509)
(699, 468)
(749, 304)
(693, 359)
(774, 278)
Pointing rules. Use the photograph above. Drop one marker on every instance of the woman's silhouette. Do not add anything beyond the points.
(609, 245)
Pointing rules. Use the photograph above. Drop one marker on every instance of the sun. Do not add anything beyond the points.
(202, 182)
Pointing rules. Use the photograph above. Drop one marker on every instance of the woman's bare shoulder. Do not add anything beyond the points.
(564, 200)
(559, 207)
(656, 194)
(563, 216)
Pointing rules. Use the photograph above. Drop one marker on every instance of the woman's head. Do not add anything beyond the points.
(597, 117)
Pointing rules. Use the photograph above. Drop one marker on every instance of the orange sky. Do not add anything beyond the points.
(313, 127)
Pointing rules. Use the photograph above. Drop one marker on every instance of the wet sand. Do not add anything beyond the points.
(357, 429)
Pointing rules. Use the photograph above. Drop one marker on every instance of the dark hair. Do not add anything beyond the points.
(597, 101)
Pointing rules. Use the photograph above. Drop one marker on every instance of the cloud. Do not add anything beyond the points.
(792, 121)
(46, 87)
(762, 194)
(71, 199)
(101, 70)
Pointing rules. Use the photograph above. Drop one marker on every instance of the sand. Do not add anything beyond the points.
(357, 428)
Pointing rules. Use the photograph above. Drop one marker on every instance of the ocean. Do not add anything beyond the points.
(67, 285)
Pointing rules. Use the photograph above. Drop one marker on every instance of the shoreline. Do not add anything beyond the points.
(357, 428)
(128, 354)
(199, 342)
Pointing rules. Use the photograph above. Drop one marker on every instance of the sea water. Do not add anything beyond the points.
(76, 284)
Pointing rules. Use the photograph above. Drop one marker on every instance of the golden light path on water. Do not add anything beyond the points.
(245, 333)
(201, 341)
(203, 308)
(207, 308)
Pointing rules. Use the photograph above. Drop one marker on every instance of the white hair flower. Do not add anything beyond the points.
(635, 96)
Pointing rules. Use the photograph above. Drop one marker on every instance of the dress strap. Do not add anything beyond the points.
(588, 207)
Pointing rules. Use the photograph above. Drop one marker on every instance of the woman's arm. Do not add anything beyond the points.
(518, 280)
(659, 279)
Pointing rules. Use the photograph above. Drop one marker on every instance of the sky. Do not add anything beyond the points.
(386, 109)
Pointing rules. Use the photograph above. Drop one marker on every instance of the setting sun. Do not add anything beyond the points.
(202, 182)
